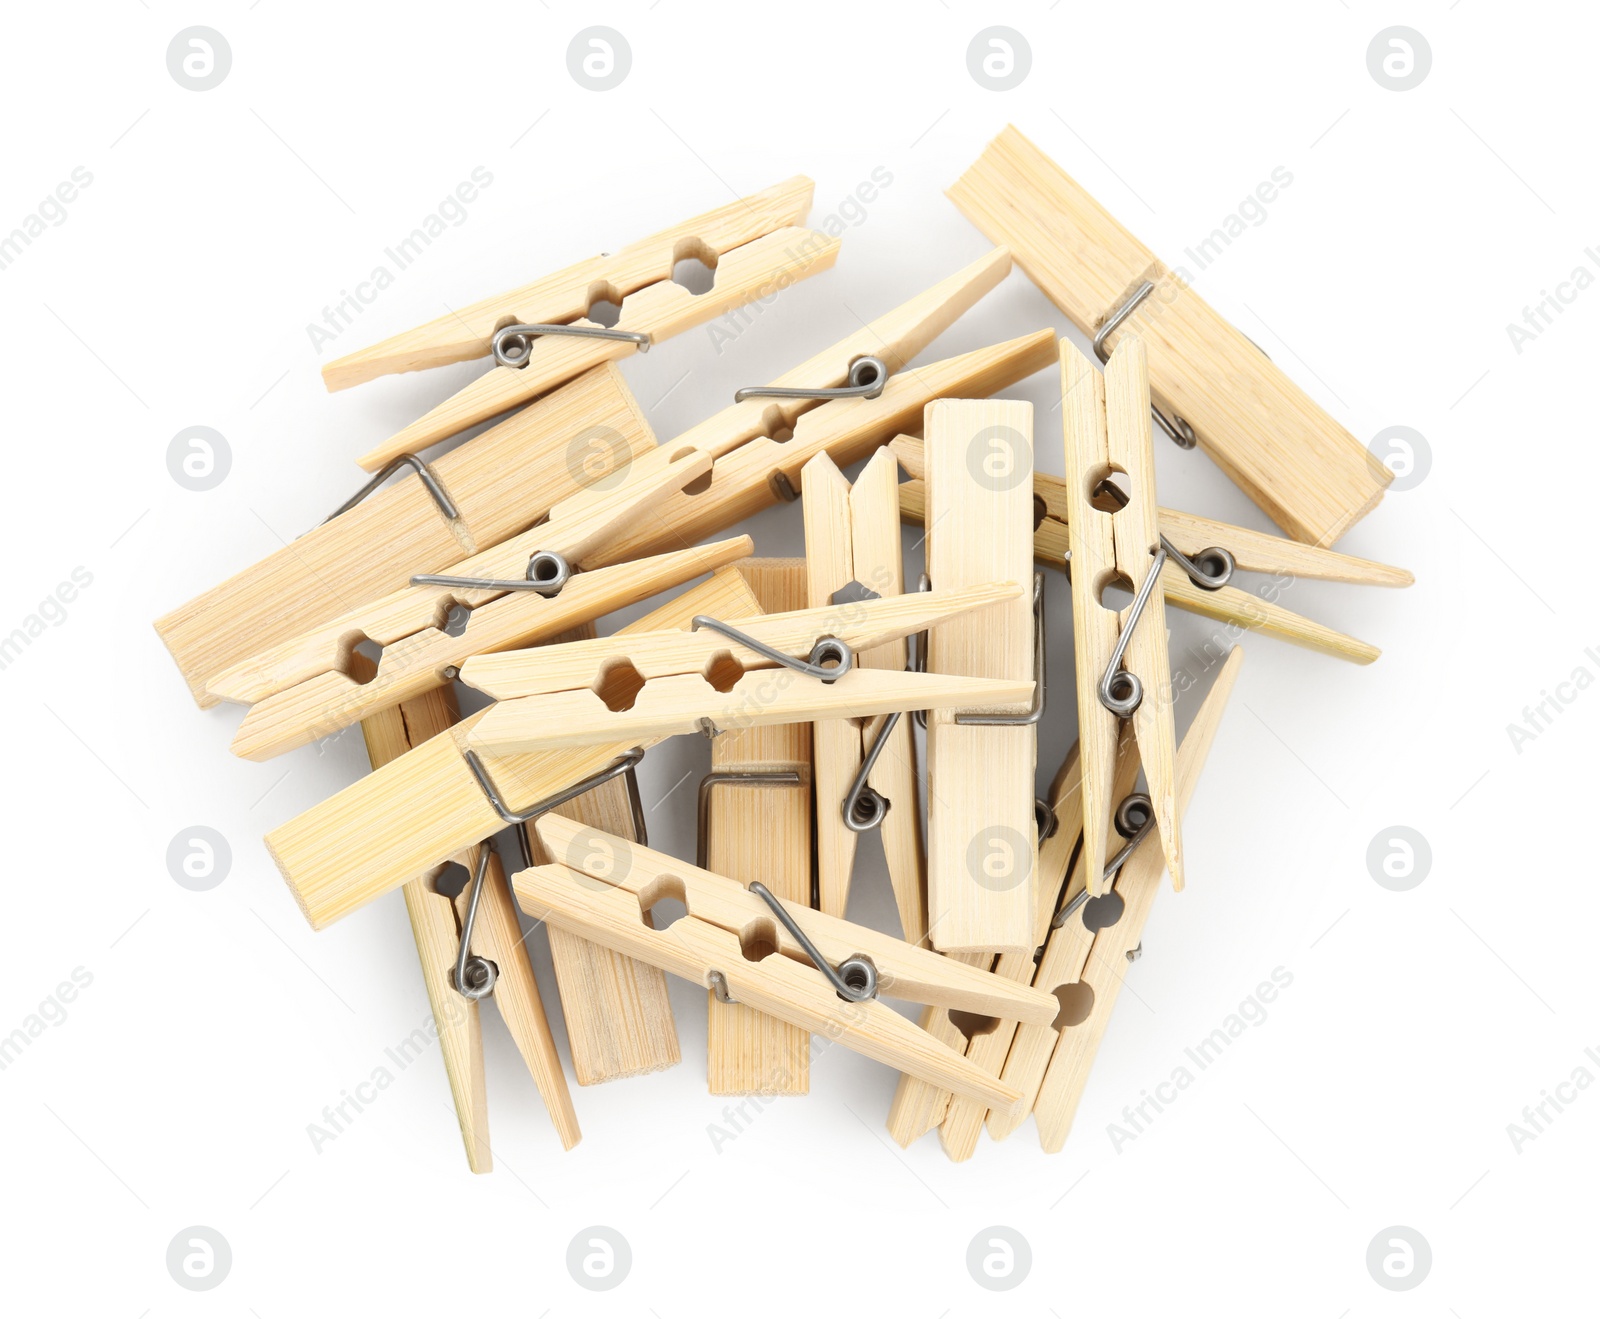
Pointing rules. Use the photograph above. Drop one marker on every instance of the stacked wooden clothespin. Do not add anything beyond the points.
(492, 564)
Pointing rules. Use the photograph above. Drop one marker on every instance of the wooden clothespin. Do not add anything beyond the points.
(544, 333)
(1214, 550)
(471, 947)
(1212, 385)
(919, 1107)
(819, 972)
(618, 1015)
(518, 592)
(778, 669)
(1122, 667)
(438, 799)
(1089, 950)
(464, 502)
(754, 823)
(981, 834)
(844, 402)
(866, 775)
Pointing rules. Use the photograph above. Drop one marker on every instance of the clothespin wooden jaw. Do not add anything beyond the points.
(496, 485)
(311, 685)
(981, 832)
(1199, 539)
(752, 247)
(479, 922)
(1090, 947)
(761, 444)
(755, 822)
(1210, 383)
(780, 669)
(569, 295)
(866, 775)
(434, 802)
(1123, 671)
(779, 957)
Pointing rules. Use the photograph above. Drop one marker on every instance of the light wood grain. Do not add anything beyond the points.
(436, 924)
(567, 295)
(1107, 960)
(757, 269)
(779, 986)
(836, 743)
(1253, 551)
(905, 971)
(322, 705)
(761, 832)
(878, 564)
(863, 626)
(745, 480)
(1133, 528)
(852, 535)
(389, 734)
(919, 1105)
(618, 1014)
(1307, 472)
(675, 705)
(1104, 435)
(501, 482)
(581, 527)
(424, 807)
(980, 778)
(1230, 604)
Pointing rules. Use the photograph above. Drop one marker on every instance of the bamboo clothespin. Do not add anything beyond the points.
(760, 444)
(981, 833)
(866, 776)
(919, 1107)
(492, 487)
(545, 333)
(1212, 385)
(437, 924)
(437, 799)
(1089, 952)
(754, 823)
(519, 592)
(778, 669)
(618, 1015)
(819, 972)
(1122, 667)
(1214, 549)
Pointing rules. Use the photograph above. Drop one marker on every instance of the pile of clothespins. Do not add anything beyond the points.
(490, 565)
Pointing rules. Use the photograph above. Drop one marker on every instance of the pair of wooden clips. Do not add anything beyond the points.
(490, 564)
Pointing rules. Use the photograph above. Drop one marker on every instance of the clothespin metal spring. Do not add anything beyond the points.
(1120, 691)
(816, 665)
(864, 806)
(1177, 430)
(868, 376)
(547, 573)
(474, 977)
(1211, 569)
(855, 979)
(430, 483)
(623, 764)
(513, 344)
(1134, 818)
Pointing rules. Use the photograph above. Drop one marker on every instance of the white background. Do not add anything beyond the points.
(178, 1089)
